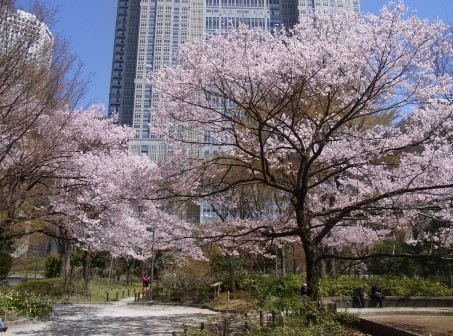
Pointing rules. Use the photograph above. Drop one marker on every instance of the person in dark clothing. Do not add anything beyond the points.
(304, 291)
(376, 294)
(358, 296)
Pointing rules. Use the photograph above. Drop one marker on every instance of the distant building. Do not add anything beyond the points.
(25, 44)
(21, 33)
(148, 32)
(306, 7)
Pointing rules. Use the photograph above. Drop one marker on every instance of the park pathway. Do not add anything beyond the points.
(118, 318)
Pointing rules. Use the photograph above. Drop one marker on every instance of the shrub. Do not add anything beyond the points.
(43, 287)
(25, 304)
(275, 293)
(392, 286)
(5, 265)
(52, 267)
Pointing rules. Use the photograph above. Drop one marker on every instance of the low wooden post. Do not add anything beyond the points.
(261, 318)
(117, 296)
(246, 322)
(173, 333)
(202, 326)
(107, 296)
(225, 326)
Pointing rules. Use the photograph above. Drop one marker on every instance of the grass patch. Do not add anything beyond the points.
(98, 291)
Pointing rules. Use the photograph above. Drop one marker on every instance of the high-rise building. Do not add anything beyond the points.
(124, 63)
(306, 7)
(21, 33)
(148, 32)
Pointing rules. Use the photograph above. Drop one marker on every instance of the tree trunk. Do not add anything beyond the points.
(331, 264)
(283, 261)
(110, 271)
(86, 270)
(65, 251)
(232, 274)
(312, 269)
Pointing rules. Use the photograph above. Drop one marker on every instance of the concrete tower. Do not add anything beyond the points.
(148, 33)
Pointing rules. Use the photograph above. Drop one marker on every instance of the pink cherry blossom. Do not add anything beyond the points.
(345, 118)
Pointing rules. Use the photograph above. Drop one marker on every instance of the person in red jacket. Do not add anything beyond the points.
(145, 281)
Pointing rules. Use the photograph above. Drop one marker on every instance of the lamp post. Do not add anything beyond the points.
(151, 229)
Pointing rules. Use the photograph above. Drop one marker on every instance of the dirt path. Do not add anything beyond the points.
(422, 325)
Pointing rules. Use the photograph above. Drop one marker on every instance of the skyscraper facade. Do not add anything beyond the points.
(148, 33)
(22, 33)
(306, 7)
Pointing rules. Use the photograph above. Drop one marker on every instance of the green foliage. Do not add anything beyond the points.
(401, 266)
(339, 286)
(33, 298)
(57, 289)
(96, 260)
(52, 267)
(54, 287)
(398, 286)
(392, 286)
(5, 265)
(223, 263)
(25, 304)
(100, 260)
(275, 293)
(396, 266)
(311, 321)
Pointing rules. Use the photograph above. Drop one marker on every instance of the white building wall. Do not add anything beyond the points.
(166, 24)
(306, 7)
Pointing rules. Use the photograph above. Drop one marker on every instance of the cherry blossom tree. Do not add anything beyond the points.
(292, 112)
(65, 172)
(102, 198)
(38, 76)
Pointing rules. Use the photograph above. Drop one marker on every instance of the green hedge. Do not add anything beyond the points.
(54, 287)
(391, 286)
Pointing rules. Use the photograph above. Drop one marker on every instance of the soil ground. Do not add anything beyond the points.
(422, 325)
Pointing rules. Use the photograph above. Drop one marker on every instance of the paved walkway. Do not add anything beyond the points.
(117, 318)
(122, 318)
(428, 311)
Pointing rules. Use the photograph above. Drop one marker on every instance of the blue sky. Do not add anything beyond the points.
(89, 26)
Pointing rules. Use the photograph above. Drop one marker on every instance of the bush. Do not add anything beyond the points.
(52, 267)
(392, 286)
(311, 321)
(25, 304)
(275, 293)
(43, 287)
(194, 276)
(5, 265)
